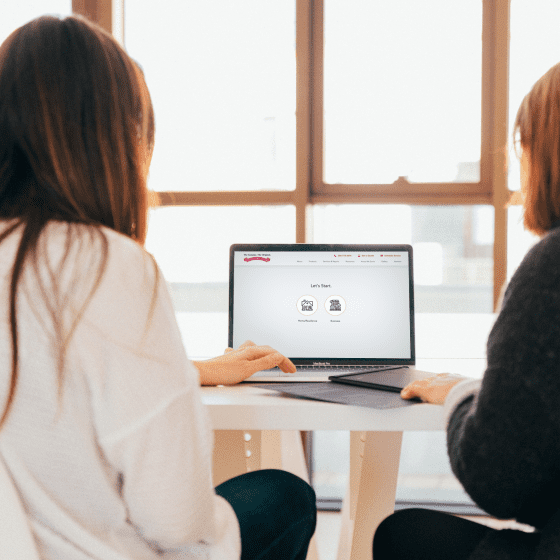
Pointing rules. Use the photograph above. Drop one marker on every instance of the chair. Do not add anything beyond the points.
(16, 540)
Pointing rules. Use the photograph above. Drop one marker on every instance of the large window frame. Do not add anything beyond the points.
(310, 186)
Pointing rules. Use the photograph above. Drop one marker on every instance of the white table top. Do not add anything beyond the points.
(245, 407)
(251, 408)
(445, 343)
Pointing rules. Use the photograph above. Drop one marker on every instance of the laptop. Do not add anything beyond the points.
(332, 309)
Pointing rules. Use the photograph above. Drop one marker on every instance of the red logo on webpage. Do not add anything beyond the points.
(265, 259)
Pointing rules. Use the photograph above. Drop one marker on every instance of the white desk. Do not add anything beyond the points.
(273, 423)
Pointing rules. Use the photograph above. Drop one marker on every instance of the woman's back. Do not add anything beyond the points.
(125, 426)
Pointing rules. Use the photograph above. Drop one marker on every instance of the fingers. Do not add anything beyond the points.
(256, 353)
(411, 390)
(432, 389)
(416, 388)
(246, 344)
(287, 366)
(268, 361)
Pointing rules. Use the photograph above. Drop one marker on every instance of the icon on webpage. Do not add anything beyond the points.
(335, 305)
(307, 305)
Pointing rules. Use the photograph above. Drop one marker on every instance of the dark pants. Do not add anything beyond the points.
(277, 514)
(419, 534)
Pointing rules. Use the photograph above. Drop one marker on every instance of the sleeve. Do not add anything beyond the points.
(150, 422)
(503, 439)
(460, 392)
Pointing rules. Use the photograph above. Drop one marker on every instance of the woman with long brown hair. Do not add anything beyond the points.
(503, 432)
(103, 429)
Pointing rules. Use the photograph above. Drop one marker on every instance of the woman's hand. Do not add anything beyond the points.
(236, 365)
(432, 390)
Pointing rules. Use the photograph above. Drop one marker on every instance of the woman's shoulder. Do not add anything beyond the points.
(539, 271)
(548, 244)
(74, 260)
(66, 233)
(544, 256)
(84, 261)
(81, 242)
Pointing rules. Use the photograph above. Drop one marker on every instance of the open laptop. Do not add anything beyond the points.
(332, 309)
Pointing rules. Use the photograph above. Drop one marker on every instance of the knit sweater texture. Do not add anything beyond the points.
(504, 441)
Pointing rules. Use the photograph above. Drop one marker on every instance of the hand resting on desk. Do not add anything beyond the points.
(236, 365)
(432, 390)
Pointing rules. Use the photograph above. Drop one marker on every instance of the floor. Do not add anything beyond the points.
(328, 530)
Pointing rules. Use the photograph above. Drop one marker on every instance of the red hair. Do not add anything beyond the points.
(537, 129)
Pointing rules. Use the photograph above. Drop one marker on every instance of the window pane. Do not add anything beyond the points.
(191, 245)
(402, 90)
(453, 248)
(534, 48)
(222, 76)
(453, 273)
(18, 13)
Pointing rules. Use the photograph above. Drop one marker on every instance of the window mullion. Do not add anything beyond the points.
(306, 12)
(496, 35)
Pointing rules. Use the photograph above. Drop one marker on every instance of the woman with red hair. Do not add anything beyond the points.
(503, 433)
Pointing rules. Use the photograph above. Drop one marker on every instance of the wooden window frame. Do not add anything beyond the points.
(108, 14)
(310, 188)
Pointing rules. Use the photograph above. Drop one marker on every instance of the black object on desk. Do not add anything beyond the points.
(339, 393)
(391, 380)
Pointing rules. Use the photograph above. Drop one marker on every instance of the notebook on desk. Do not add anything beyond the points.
(332, 309)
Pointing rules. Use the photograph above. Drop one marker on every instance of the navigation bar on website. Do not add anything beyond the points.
(310, 258)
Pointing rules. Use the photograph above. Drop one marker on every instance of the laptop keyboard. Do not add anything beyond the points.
(330, 370)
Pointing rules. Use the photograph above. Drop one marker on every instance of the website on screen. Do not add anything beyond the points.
(313, 304)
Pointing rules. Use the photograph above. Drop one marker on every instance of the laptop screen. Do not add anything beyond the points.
(341, 304)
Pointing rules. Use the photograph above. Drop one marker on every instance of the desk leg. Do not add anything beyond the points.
(229, 455)
(372, 485)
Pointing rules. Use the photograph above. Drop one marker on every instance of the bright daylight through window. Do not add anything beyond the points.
(290, 120)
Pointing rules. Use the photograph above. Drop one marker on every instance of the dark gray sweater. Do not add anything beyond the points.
(504, 443)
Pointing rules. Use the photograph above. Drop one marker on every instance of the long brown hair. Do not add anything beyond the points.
(537, 130)
(76, 132)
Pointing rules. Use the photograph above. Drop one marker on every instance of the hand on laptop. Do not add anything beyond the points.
(432, 390)
(238, 364)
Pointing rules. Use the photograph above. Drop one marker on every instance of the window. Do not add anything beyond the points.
(311, 103)
(402, 91)
(535, 47)
(191, 245)
(19, 13)
(223, 83)
(452, 247)
(332, 120)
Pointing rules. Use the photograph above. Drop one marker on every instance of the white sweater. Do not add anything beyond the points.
(118, 465)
